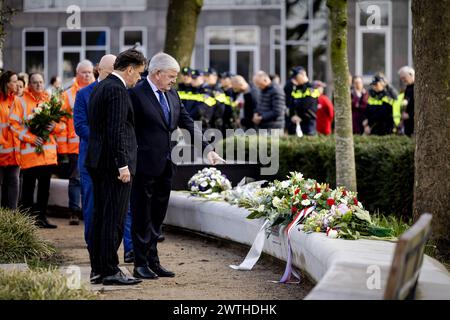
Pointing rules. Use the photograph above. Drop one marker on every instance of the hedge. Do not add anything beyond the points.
(384, 167)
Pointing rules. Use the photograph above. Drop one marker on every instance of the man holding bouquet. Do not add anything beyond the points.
(37, 153)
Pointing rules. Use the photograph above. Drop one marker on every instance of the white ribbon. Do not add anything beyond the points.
(255, 251)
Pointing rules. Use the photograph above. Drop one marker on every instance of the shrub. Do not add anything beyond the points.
(38, 285)
(384, 166)
(18, 238)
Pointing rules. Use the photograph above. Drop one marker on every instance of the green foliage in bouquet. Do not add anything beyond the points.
(336, 211)
(43, 115)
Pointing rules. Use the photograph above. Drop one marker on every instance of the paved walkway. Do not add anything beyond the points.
(201, 265)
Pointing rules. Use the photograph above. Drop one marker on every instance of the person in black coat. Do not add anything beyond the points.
(407, 76)
(271, 106)
(250, 97)
(111, 162)
(158, 112)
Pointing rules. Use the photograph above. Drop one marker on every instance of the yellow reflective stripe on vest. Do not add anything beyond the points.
(31, 149)
(5, 151)
(183, 95)
(221, 97)
(378, 102)
(298, 94)
(74, 140)
(200, 97)
(210, 101)
(15, 117)
(396, 107)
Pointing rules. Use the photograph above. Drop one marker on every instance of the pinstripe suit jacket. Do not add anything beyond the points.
(112, 140)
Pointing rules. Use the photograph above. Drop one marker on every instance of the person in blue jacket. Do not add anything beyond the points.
(80, 117)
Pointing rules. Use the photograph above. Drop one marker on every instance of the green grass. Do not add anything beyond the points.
(42, 284)
(397, 224)
(19, 241)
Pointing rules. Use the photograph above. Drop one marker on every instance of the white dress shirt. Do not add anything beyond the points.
(120, 77)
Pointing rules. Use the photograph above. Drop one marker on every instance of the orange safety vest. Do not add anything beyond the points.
(68, 141)
(29, 158)
(9, 143)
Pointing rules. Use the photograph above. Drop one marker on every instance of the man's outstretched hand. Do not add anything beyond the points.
(214, 158)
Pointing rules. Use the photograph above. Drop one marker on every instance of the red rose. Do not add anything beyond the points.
(294, 210)
(304, 196)
(344, 193)
(297, 191)
(330, 201)
(355, 201)
(318, 190)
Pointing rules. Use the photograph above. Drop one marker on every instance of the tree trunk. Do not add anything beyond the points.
(182, 16)
(345, 154)
(6, 12)
(431, 48)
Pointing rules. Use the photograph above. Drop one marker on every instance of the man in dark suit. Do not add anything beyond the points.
(111, 162)
(158, 112)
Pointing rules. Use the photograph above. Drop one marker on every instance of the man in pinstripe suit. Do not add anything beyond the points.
(111, 162)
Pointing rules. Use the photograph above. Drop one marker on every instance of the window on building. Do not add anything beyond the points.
(34, 55)
(306, 37)
(85, 5)
(133, 37)
(234, 49)
(77, 45)
(276, 48)
(373, 39)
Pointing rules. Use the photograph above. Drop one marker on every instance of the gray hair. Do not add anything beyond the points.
(406, 70)
(84, 63)
(162, 62)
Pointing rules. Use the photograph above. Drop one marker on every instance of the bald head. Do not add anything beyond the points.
(261, 80)
(106, 66)
(239, 84)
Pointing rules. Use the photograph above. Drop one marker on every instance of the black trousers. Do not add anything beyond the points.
(42, 174)
(111, 199)
(9, 186)
(149, 201)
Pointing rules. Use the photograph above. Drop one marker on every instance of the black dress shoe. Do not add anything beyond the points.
(43, 223)
(129, 257)
(96, 278)
(120, 279)
(160, 271)
(161, 238)
(144, 273)
(74, 220)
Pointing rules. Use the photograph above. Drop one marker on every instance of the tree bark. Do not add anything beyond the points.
(6, 12)
(345, 154)
(182, 17)
(431, 52)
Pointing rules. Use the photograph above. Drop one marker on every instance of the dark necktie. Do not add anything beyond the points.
(164, 106)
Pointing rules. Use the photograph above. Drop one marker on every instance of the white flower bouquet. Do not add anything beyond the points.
(208, 183)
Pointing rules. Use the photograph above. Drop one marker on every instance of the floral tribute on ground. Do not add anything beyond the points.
(336, 212)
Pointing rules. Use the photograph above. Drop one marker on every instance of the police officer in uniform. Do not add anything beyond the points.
(210, 76)
(379, 117)
(200, 103)
(302, 103)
